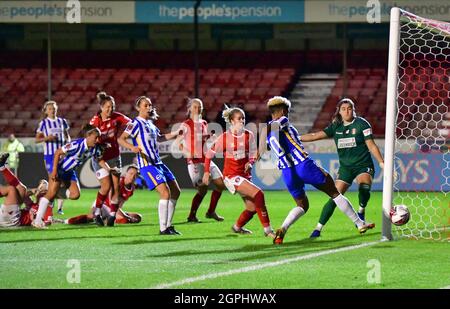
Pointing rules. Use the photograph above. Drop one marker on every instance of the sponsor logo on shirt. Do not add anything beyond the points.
(349, 142)
(367, 132)
(339, 132)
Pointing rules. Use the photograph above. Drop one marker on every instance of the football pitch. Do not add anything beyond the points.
(209, 255)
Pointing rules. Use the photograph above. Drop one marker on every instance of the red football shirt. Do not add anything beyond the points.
(110, 129)
(237, 151)
(196, 134)
(124, 193)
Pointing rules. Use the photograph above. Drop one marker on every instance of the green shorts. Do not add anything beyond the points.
(348, 174)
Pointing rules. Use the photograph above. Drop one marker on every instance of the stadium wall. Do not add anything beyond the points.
(417, 172)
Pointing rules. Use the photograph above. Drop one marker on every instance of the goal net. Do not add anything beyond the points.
(418, 126)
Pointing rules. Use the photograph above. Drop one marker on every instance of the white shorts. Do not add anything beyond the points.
(9, 215)
(233, 182)
(100, 172)
(196, 171)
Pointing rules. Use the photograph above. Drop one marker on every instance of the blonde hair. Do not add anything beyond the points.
(279, 100)
(44, 108)
(228, 112)
(189, 105)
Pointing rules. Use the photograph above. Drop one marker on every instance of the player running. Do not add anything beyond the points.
(126, 189)
(67, 158)
(238, 146)
(16, 193)
(53, 131)
(110, 123)
(354, 142)
(157, 175)
(299, 169)
(195, 134)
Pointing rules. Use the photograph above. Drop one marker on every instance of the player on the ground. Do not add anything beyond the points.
(157, 175)
(111, 124)
(299, 169)
(126, 190)
(238, 146)
(67, 158)
(53, 131)
(354, 142)
(16, 193)
(195, 134)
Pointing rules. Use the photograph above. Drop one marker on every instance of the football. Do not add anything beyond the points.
(400, 214)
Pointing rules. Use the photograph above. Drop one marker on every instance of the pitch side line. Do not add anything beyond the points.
(445, 287)
(261, 266)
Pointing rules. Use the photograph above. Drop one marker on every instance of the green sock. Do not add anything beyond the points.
(364, 195)
(327, 211)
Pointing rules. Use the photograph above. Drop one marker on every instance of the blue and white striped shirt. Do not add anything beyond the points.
(286, 143)
(144, 135)
(56, 127)
(77, 152)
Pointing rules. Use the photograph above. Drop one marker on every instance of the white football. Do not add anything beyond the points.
(400, 214)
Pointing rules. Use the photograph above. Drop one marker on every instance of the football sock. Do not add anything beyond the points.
(171, 211)
(261, 209)
(162, 213)
(245, 216)
(9, 176)
(327, 212)
(364, 196)
(43, 204)
(319, 227)
(60, 203)
(293, 216)
(196, 201)
(114, 206)
(78, 220)
(100, 200)
(215, 196)
(344, 205)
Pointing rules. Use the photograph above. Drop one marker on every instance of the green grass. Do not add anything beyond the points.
(135, 256)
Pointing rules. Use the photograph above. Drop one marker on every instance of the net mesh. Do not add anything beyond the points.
(421, 155)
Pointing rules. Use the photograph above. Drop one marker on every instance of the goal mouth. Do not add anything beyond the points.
(419, 130)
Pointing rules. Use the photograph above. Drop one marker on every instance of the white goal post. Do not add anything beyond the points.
(418, 126)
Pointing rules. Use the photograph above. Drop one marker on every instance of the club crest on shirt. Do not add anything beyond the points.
(354, 131)
(129, 126)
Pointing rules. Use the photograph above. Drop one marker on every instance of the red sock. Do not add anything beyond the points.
(100, 200)
(121, 220)
(245, 216)
(114, 207)
(78, 219)
(261, 209)
(10, 178)
(215, 196)
(196, 201)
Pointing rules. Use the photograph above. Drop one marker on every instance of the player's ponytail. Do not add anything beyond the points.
(102, 98)
(228, 113)
(337, 118)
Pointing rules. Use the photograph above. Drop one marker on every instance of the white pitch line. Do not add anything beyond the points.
(445, 287)
(261, 266)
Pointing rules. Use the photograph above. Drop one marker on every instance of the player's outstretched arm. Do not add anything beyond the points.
(311, 137)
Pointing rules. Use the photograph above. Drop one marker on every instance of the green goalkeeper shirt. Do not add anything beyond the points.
(350, 142)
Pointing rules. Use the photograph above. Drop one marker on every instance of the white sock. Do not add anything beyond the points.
(293, 216)
(361, 210)
(66, 221)
(344, 205)
(60, 203)
(163, 210)
(319, 227)
(43, 204)
(97, 211)
(171, 211)
(268, 229)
